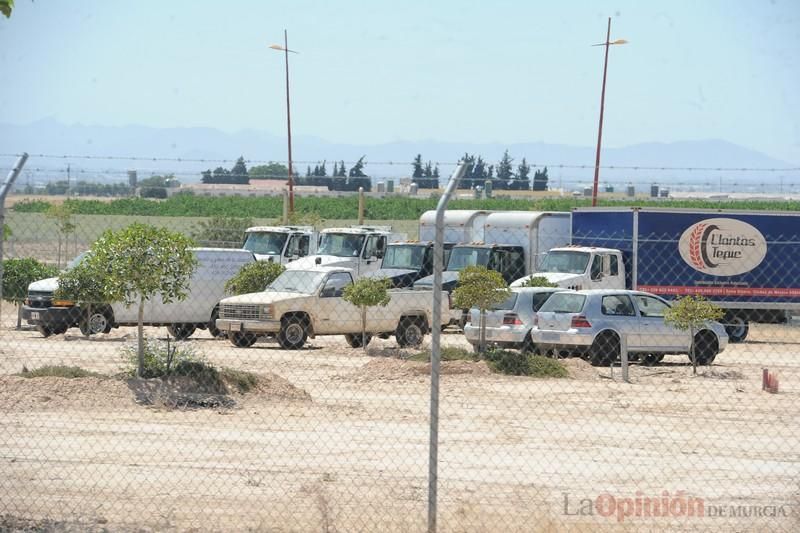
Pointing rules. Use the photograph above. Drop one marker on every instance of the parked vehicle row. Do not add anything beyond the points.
(593, 324)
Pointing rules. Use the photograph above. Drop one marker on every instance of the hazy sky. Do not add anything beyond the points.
(372, 72)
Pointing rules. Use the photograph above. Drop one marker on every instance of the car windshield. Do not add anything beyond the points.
(564, 303)
(306, 282)
(407, 256)
(566, 262)
(341, 244)
(464, 256)
(265, 243)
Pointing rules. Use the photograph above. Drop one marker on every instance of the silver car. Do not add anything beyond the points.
(591, 323)
(508, 324)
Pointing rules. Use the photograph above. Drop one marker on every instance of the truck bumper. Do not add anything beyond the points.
(52, 317)
(253, 326)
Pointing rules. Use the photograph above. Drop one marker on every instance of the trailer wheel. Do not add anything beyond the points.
(736, 327)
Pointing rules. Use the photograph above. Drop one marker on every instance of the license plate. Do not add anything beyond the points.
(235, 326)
(34, 315)
(551, 336)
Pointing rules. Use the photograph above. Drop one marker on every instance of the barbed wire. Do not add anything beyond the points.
(404, 163)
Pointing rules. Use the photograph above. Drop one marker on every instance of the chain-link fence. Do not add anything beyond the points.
(305, 407)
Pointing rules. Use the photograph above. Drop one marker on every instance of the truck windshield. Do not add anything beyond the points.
(265, 243)
(464, 256)
(304, 281)
(406, 256)
(567, 262)
(341, 244)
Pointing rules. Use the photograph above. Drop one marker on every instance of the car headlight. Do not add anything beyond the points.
(268, 311)
(63, 303)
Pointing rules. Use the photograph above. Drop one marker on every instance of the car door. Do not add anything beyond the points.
(620, 315)
(335, 315)
(656, 333)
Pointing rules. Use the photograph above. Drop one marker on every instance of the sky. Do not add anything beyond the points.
(372, 72)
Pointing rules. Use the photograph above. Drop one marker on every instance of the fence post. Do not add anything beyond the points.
(285, 213)
(3, 193)
(623, 354)
(360, 206)
(436, 333)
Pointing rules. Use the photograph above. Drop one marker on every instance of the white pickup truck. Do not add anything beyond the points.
(306, 303)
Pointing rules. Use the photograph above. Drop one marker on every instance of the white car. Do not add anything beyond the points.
(591, 324)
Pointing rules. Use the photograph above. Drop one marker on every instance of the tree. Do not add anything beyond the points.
(364, 293)
(342, 171)
(505, 171)
(482, 288)
(538, 281)
(270, 171)
(84, 284)
(141, 262)
(254, 277)
(523, 173)
(239, 172)
(226, 232)
(18, 274)
(357, 170)
(417, 165)
(6, 6)
(323, 172)
(62, 214)
(689, 313)
(435, 175)
(335, 169)
(165, 181)
(540, 180)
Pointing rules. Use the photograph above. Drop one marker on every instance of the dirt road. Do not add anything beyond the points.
(516, 454)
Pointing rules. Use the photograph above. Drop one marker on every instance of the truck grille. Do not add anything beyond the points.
(239, 312)
(40, 299)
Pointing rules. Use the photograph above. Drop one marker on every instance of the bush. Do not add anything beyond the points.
(59, 371)
(161, 359)
(447, 353)
(253, 277)
(19, 273)
(516, 363)
(153, 192)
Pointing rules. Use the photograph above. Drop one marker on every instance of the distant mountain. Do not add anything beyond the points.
(166, 150)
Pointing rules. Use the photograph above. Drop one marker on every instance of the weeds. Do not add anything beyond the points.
(59, 371)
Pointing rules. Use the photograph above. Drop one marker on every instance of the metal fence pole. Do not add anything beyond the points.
(436, 332)
(623, 355)
(3, 193)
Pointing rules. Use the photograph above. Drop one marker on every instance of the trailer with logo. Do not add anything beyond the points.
(747, 262)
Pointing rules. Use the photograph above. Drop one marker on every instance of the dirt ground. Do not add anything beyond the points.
(336, 439)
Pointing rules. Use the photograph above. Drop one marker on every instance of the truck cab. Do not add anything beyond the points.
(280, 244)
(509, 260)
(581, 267)
(359, 248)
(407, 261)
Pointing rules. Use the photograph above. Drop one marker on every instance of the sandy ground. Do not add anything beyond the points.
(337, 440)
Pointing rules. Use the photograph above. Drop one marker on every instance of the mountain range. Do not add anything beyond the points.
(103, 153)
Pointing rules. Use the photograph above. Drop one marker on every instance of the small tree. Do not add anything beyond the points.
(364, 293)
(17, 275)
(62, 214)
(254, 277)
(689, 313)
(140, 262)
(482, 288)
(538, 281)
(83, 284)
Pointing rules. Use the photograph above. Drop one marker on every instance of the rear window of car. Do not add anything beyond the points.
(564, 303)
(507, 304)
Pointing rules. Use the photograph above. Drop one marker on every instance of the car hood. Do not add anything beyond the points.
(390, 273)
(265, 297)
(559, 278)
(44, 285)
(449, 279)
(309, 262)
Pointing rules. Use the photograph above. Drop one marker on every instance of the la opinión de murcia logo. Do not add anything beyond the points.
(722, 246)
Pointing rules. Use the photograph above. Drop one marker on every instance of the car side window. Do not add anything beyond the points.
(617, 305)
(334, 287)
(649, 306)
(613, 265)
(539, 299)
(597, 268)
(375, 243)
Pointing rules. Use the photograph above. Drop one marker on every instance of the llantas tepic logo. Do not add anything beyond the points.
(722, 246)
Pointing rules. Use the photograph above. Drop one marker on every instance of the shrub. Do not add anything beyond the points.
(517, 363)
(254, 277)
(161, 359)
(19, 273)
(538, 281)
(59, 371)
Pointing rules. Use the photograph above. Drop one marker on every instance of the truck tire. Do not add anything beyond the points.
(242, 339)
(44, 331)
(293, 333)
(736, 326)
(354, 340)
(213, 330)
(96, 322)
(706, 347)
(410, 331)
(605, 349)
(181, 331)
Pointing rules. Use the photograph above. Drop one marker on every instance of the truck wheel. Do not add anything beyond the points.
(98, 321)
(293, 333)
(604, 350)
(410, 332)
(355, 340)
(736, 327)
(241, 339)
(706, 347)
(44, 330)
(213, 330)
(181, 331)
